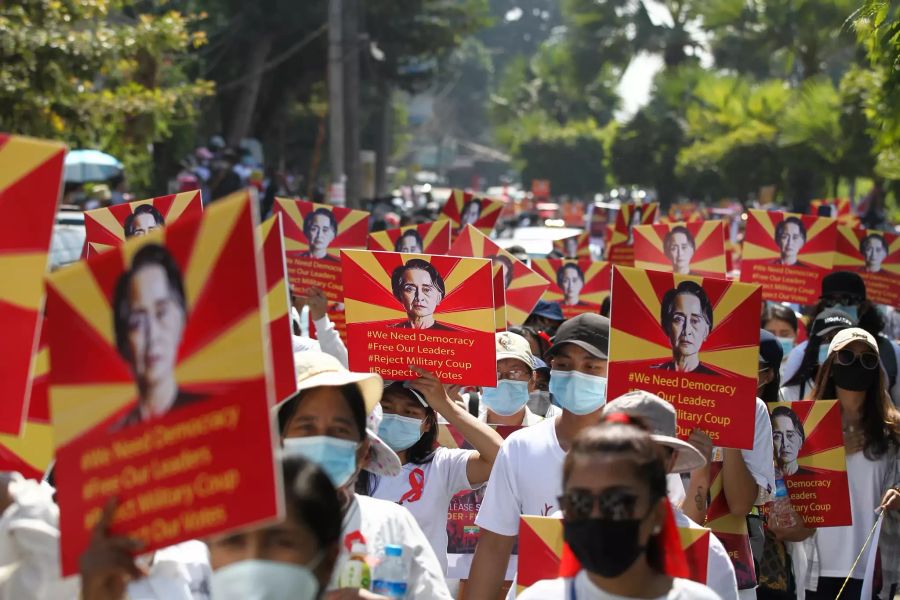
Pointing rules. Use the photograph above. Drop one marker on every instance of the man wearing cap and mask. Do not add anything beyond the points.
(825, 326)
(525, 479)
(507, 404)
(659, 417)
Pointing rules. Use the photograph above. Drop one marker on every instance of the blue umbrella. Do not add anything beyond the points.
(91, 165)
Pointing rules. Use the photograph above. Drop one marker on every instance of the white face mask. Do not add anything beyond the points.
(265, 580)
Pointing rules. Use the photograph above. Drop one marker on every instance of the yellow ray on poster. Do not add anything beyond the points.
(131, 247)
(19, 156)
(276, 301)
(894, 245)
(639, 348)
(736, 360)
(363, 312)
(818, 226)
(893, 269)
(690, 535)
(650, 234)
(180, 204)
(77, 286)
(40, 363)
(819, 411)
(266, 226)
(824, 259)
(105, 218)
(212, 235)
(713, 264)
(96, 248)
(833, 460)
(765, 219)
(707, 229)
(34, 445)
(847, 233)
(383, 240)
(374, 269)
(481, 319)
(462, 271)
(755, 252)
(530, 279)
(77, 408)
(638, 281)
(351, 219)
(292, 210)
(548, 529)
(430, 234)
(234, 355)
(735, 295)
(21, 288)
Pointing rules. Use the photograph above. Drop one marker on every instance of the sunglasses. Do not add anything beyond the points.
(844, 299)
(613, 505)
(869, 360)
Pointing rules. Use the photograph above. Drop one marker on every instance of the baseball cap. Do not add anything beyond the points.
(843, 282)
(829, 320)
(853, 334)
(770, 351)
(659, 416)
(513, 345)
(548, 310)
(588, 331)
(402, 386)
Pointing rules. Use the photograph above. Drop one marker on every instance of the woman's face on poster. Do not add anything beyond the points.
(470, 214)
(680, 251)
(155, 326)
(571, 284)
(420, 296)
(409, 244)
(689, 328)
(786, 438)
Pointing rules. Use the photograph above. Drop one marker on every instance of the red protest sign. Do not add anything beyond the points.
(578, 286)
(499, 297)
(809, 452)
(278, 307)
(30, 179)
(695, 543)
(576, 246)
(620, 249)
(314, 235)
(524, 287)
(730, 529)
(427, 238)
(107, 227)
(434, 312)
(692, 341)
(159, 388)
(875, 255)
(788, 254)
(684, 248)
(463, 208)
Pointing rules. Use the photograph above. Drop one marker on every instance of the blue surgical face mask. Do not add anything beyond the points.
(787, 344)
(507, 398)
(577, 392)
(264, 580)
(335, 456)
(823, 352)
(399, 433)
(851, 310)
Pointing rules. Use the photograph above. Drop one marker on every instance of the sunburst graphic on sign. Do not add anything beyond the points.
(278, 305)
(221, 346)
(576, 246)
(524, 287)
(695, 543)
(426, 238)
(637, 337)
(30, 180)
(105, 228)
(463, 208)
(499, 298)
(875, 255)
(761, 245)
(688, 248)
(540, 549)
(841, 209)
(338, 227)
(620, 245)
(369, 296)
(578, 286)
(686, 212)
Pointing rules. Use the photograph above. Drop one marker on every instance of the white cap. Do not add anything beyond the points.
(513, 345)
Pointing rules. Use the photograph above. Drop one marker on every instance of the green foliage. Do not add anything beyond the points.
(93, 75)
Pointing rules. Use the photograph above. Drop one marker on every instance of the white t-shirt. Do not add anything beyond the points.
(793, 393)
(377, 523)
(526, 479)
(179, 572)
(838, 546)
(529, 419)
(561, 589)
(439, 480)
(720, 576)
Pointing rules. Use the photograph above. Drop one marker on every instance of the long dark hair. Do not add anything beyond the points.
(780, 312)
(312, 499)
(880, 419)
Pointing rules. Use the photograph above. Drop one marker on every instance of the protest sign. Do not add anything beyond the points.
(160, 388)
(30, 180)
(107, 227)
(809, 452)
(620, 247)
(433, 312)
(278, 307)
(576, 246)
(788, 254)
(463, 208)
(462, 532)
(838, 208)
(314, 235)
(692, 341)
(427, 238)
(730, 529)
(875, 255)
(499, 280)
(695, 543)
(685, 212)
(683, 248)
(578, 286)
(523, 286)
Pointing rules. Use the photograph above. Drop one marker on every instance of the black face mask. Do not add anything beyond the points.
(604, 546)
(853, 377)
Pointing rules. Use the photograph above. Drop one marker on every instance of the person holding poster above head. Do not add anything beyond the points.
(410, 242)
(617, 521)
(332, 420)
(873, 247)
(419, 288)
(142, 221)
(686, 316)
(578, 362)
(852, 374)
(430, 476)
(320, 228)
(570, 280)
(790, 236)
(679, 247)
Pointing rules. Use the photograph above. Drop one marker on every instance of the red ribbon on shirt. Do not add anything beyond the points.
(416, 486)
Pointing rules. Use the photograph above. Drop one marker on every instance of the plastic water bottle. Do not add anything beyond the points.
(390, 574)
(782, 515)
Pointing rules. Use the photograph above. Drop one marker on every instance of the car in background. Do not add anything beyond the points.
(537, 241)
(68, 237)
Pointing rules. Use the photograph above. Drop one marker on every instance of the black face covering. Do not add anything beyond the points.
(604, 546)
(853, 377)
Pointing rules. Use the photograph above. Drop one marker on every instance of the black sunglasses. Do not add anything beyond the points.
(869, 360)
(614, 505)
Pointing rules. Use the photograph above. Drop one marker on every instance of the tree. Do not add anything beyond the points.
(99, 74)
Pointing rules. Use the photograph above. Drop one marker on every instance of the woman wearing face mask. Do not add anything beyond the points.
(430, 476)
(332, 421)
(781, 321)
(852, 374)
(823, 329)
(617, 522)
